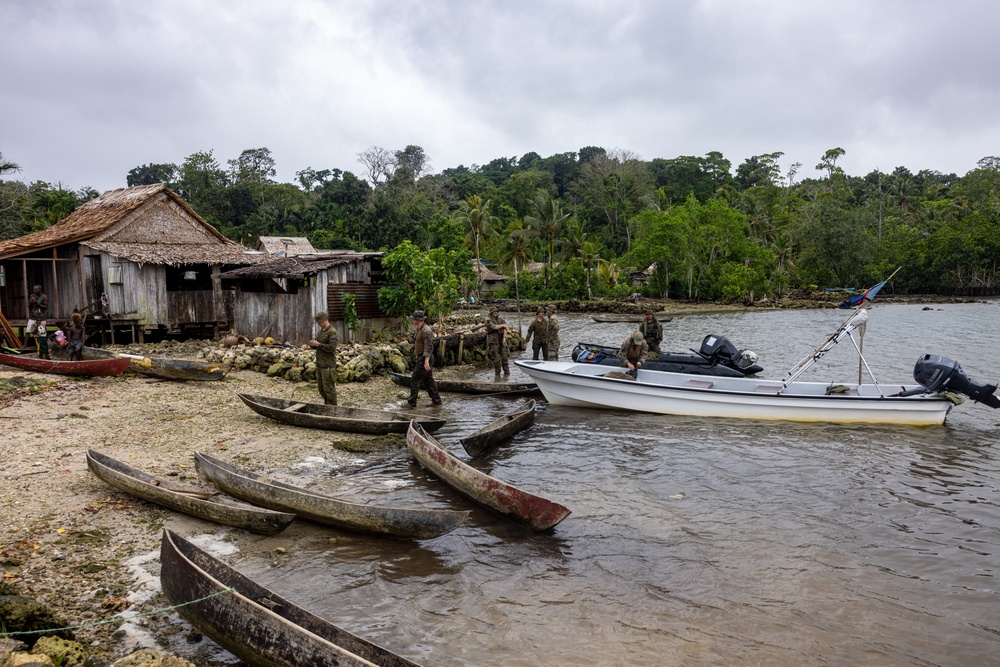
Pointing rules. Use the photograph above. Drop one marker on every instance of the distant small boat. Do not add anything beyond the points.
(606, 318)
(399, 522)
(255, 624)
(473, 386)
(86, 368)
(203, 503)
(165, 368)
(336, 417)
(481, 441)
(510, 501)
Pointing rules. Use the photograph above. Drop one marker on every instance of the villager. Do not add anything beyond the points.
(38, 306)
(423, 368)
(76, 336)
(652, 331)
(496, 342)
(539, 328)
(633, 352)
(553, 337)
(325, 345)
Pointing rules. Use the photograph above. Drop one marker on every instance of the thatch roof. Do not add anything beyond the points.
(486, 273)
(299, 266)
(148, 224)
(289, 245)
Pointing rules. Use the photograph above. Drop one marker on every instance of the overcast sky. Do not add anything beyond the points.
(92, 89)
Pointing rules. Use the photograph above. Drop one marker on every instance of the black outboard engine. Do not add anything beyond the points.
(718, 349)
(936, 374)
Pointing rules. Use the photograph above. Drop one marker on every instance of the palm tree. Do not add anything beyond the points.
(475, 214)
(548, 219)
(518, 251)
(7, 165)
(589, 258)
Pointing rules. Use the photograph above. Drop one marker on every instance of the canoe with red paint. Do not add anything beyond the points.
(510, 501)
(90, 367)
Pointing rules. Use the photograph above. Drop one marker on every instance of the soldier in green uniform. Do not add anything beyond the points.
(325, 345)
(652, 331)
(423, 368)
(539, 328)
(496, 343)
(633, 352)
(553, 337)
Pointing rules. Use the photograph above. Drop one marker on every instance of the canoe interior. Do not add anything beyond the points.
(472, 386)
(484, 439)
(254, 623)
(336, 417)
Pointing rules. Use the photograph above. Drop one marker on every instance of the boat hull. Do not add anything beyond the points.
(337, 418)
(505, 499)
(87, 368)
(583, 385)
(216, 509)
(472, 386)
(163, 368)
(672, 362)
(398, 522)
(230, 608)
(482, 440)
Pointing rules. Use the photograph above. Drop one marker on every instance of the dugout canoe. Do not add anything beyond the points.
(255, 624)
(481, 441)
(203, 503)
(335, 417)
(509, 501)
(473, 386)
(86, 368)
(398, 522)
(607, 318)
(164, 368)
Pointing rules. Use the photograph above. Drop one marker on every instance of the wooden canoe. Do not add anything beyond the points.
(88, 368)
(606, 318)
(203, 503)
(473, 386)
(508, 500)
(335, 417)
(398, 522)
(164, 368)
(255, 624)
(489, 436)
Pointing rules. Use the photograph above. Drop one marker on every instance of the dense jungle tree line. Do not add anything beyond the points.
(594, 216)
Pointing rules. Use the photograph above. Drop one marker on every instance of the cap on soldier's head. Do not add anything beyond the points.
(637, 336)
(494, 309)
(550, 307)
(322, 316)
(541, 311)
(649, 311)
(418, 315)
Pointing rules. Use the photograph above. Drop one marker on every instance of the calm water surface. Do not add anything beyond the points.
(693, 541)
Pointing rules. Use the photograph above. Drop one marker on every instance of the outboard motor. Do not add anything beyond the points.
(937, 373)
(718, 349)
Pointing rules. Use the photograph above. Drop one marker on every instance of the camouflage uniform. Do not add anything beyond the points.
(496, 342)
(423, 348)
(540, 330)
(632, 352)
(653, 333)
(326, 364)
(553, 337)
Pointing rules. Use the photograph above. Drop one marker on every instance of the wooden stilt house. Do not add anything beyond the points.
(136, 260)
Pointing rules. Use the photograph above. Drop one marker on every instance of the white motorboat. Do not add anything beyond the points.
(923, 404)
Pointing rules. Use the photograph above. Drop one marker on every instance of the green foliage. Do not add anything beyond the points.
(351, 318)
(419, 280)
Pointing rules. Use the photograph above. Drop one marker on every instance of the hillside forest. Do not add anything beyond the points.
(586, 222)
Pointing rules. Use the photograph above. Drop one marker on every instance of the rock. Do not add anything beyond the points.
(258, 341)
(148, 657)
(62, 652)
(294, 374)
(278, 369)
(360, 368)
(28, 660)
(243, 361)
(9, 645)
(21, 614)
(396, 361)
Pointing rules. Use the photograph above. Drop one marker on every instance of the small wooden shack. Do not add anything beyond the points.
(285, 246)
(278, 298)
(134, 259)
(491, 280)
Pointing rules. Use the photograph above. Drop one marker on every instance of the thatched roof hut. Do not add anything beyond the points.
(285, 246)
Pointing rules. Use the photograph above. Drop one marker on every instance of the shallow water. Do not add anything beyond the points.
(693, 541)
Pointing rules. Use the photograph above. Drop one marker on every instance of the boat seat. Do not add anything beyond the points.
(768, 389)
(700, 384)
(295, 408)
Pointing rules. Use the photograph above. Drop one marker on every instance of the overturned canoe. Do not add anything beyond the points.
(164, 368)
(87, 368)
(335, 417)
(509, 501)
(489, 436)
(205, 504)
(252, 622)
(607, 318)
(473, 386)
(399, 522)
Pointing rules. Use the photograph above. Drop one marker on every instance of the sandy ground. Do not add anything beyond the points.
(66, 537)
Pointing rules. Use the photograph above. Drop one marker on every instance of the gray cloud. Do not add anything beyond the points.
(94, 89)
